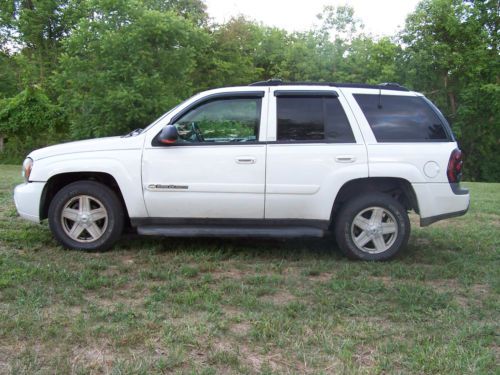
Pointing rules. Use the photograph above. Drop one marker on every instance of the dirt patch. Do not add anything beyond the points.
(223, 346)
(127, 259)
(7, 353)
(386, 280)
(98, 357)
(111, 271)
(422, 241)
(252, 358)
(414, 219)
(256, 361)
(117, 299)
(496, 352)
(452, 285)
(365, 356)
(449, 286)
(231, 311)
(53, 310)
(455, 223)
(379, 323)
(241, 329)
(481, 289)
(234, 274)
(289, 271)
(322, 277)
(444, 285)
(280, 298)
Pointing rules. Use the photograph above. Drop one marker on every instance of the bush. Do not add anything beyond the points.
(28, 121)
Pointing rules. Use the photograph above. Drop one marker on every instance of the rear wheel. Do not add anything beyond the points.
(373, 227)
(86, 215)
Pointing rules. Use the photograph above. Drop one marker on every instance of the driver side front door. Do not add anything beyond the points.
(216, 169)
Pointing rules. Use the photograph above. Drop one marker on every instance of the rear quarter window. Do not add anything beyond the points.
(402, 118)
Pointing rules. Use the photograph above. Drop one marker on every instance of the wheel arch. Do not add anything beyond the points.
(398, 188)
(56, 182)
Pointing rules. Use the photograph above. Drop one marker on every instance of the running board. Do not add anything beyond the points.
(217, 231)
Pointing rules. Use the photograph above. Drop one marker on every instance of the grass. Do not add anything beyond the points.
(236, 306)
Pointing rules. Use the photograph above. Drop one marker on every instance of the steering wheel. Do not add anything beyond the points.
(195, 129)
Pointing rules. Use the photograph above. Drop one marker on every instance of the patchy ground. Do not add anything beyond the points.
(237, 306)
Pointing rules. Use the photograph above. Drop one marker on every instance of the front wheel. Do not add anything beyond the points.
(86, 215)
(372, 227)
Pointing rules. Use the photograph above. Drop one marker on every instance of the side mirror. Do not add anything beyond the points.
(168, 135)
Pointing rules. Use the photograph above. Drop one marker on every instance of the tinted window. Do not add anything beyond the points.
(224, 120)
(401, 118)
(312, 119)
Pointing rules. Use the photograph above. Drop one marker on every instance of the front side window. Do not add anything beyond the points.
(313, 119)
(222, 120)
(401, 118)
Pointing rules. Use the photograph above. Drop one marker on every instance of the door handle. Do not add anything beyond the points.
(246, 160)
(345, 159)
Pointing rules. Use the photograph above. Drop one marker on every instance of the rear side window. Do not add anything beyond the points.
(402, 119)
(312, 119)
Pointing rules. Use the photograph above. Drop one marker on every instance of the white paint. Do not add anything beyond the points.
(431, 169)
(285, 181)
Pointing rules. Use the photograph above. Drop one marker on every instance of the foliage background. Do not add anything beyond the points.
(73, 69)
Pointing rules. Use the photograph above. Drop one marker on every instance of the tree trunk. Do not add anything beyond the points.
(1, 143)
(451, 95)
(453, 103)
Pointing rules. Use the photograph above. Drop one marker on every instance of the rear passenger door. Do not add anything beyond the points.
(314, 147)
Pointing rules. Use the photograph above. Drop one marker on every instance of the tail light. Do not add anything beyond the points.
(455, 164)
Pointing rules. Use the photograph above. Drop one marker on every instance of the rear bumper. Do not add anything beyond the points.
(439, 201)
(27, 199)
(430, 220)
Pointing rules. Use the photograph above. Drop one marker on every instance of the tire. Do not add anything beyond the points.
(86, 215)
(372, 227)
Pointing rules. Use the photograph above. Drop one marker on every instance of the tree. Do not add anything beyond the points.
(8, 76)
(37, 28)
(452, 57)
(124, 66)
(372, 61)
(29, 120)
(193, 10)
(229, 57)
(340, 22)
(271, 52)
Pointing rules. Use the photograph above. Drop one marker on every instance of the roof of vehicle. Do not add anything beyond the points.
(385, 86)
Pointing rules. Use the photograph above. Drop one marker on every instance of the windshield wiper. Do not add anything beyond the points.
(133, 132)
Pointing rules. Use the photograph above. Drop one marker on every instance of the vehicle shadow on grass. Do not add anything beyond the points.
(237, 248)
(297, 249)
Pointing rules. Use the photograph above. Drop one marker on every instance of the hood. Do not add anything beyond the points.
(89, 145)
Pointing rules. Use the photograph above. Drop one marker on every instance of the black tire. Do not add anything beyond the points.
(96, 195)
(395, 216)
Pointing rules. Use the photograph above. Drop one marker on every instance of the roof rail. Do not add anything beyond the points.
(269, 82)
(279, 82)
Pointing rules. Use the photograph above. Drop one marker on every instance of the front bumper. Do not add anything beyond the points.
(27, 199)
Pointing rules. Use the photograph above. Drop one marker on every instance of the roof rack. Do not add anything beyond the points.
(385, 86)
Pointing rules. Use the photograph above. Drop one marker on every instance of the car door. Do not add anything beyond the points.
(216, 169)
(314, 147)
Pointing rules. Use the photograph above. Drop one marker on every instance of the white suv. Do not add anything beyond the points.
(271, 159)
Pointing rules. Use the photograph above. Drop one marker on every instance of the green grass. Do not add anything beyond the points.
(236, 306)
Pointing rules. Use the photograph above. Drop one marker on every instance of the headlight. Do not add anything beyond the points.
(27, 166)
